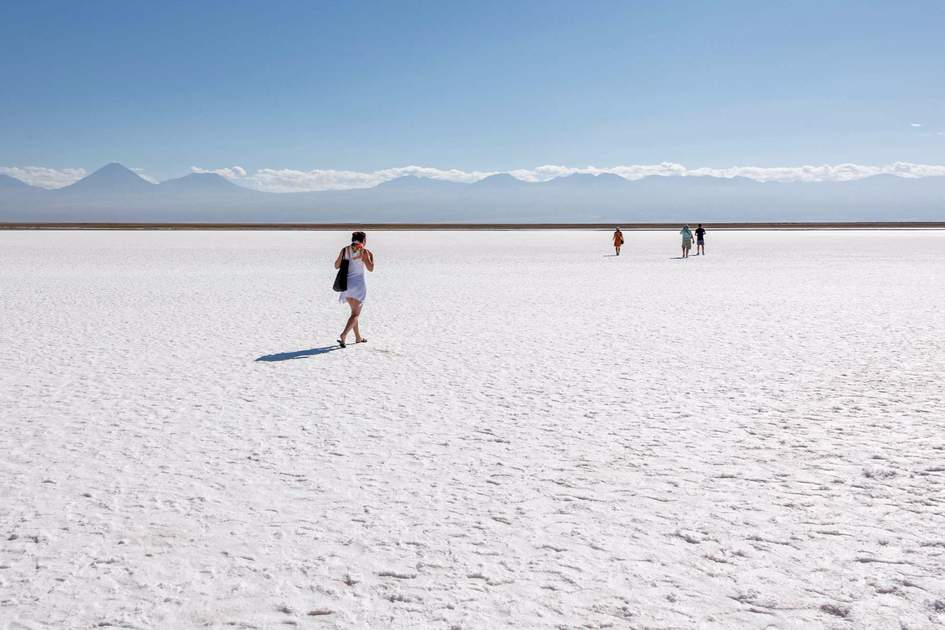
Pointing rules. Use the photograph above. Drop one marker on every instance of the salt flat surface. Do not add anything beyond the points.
(536, 435)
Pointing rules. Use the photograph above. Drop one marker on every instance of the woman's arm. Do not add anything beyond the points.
(368, 259)
(338, 260)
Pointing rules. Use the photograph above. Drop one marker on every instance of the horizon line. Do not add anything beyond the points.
(629, 226)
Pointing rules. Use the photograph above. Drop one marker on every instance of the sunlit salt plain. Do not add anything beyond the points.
(536, 435)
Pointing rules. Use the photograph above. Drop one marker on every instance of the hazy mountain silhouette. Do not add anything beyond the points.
(115, 193)
(11, 183)
(587, 179)
(500, 181)
(414, 183)
(201, 183)
(111, 179)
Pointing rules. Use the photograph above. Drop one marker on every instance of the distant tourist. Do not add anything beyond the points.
(700, 240)
(618, 240)
(686, 240)
(351, 286)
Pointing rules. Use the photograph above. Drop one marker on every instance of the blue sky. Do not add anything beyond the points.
(474, 86)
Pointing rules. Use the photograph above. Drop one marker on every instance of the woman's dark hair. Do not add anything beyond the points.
(358, 237)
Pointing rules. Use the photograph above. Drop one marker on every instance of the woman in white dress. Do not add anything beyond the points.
(359, 258)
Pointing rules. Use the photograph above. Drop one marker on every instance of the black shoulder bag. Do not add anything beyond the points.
(341, 279)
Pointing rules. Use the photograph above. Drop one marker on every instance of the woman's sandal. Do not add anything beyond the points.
(340, 343)
(361, 341)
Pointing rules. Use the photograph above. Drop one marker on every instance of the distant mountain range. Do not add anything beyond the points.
(117, 194)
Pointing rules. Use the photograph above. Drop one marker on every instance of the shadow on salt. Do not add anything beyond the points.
(298, 354)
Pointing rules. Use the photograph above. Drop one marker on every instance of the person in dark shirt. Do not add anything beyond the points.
(700, 240)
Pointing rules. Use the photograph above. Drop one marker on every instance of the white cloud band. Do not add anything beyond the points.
(233, 172)
(44, 177)
(288, 180)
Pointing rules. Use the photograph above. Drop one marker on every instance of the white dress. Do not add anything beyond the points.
(357, 288)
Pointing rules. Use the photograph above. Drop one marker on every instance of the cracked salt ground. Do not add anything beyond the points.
(537, 436)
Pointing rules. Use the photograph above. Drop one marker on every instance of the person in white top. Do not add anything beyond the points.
(359, 258)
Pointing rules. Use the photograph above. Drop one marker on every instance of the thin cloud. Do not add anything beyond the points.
(915, 124)
(44, 177)
(289, 180)
(234, 172)
(140, 173)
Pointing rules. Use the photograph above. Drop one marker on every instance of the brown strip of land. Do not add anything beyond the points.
(855, 225)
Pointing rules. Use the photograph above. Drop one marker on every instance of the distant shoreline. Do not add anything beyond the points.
(831, 225)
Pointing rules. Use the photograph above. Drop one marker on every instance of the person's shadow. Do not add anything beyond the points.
(298, 354)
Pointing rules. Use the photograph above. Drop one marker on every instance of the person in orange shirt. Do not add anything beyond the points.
(618, 240)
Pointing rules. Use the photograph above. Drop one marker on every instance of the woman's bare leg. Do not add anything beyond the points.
(352, 319)
(357, 331)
